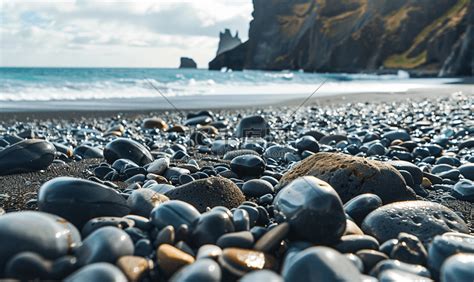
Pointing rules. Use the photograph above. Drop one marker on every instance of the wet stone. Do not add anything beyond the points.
(313, 210)
(423, 219)
(143, 201)
(459, 267)
(79, 200)
(25, 156)
(122, 148)
(354, 243)
(134, 268)
(464, 190)
(99, 222)
(409, 249)
(241, 261)
(252, 126)
(360, 206)
(210, 226)
(256, 188)
(446, 245)
(202, 270)
(209, 192)
(97, 272)
(173, 213)
(171, 259)
(248, 165)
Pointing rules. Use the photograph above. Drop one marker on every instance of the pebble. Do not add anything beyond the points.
(209, 192)
(464, 190)
(173, 213)
(423, 219)
(351, 176)
(261, 275)
(171, 259)
(158, 166)
(242, 239)
(391, 275)
(99, 222)
(446, 245)
(398, 265)
(467, 170)
(154, 122)
(210, 226)
(28, 266)
(409, 249)
(360, 206)
(27, 155)
(97, 272)
(143, 201)
(459, 267)
(313, 210)
(354, 243)
(320, 264)
(255, 188)
(57, 237)
(122, 148)
(208, 251)
(106, 244)
(307, 143)
(252, 126)
(241, 261)
(79, 200)
(248, 165)
(201, 270)
(134, 268)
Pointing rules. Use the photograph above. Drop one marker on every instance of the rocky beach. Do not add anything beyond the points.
(357, 188)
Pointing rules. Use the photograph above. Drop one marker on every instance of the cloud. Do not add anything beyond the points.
(57, 29)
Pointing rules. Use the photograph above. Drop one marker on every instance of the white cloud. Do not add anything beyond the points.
(116, 33)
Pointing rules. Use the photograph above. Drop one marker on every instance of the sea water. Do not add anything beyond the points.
(44, 84)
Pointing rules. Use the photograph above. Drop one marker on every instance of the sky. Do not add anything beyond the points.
(103, 33)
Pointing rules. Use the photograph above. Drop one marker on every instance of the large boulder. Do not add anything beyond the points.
(351, 176)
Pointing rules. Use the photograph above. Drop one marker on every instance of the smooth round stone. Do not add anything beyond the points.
(208, 251)
(352, 228)
(262, 275)
(102, 271)
(252, 126)
(79, 200)
(154, 122)
(174, 213)
(391, 275)
(415, 171)
(422, 219)
(370, 258)
(233, 154)
(143, 201)
(447, 245)
(256, 188)
(313, 210)
(307, 143)
(171, 259)
(99, 222)
(354, 243)
(376, 149)
(459, 267)
(27, 155)
(248, 165)
(396, 135)
(220, 147)
(210, 226)
(202, 270)
(28, 266)
(208, 192)
(409, 249)
(242, 239)
(320, 264)
(356, 261)
(278, 152)
(272, 238)
(134, 267)
(241, 220)
(359, 207)
(88, 152)
(351, 176)
(452, 174)
(165, 236)
(158, 166)
(241, 261)
(467, 170)
(464, 190)
(122, 148)
(333, 138)
(161, 188)
(201, 120)
(106, 244)
(398, 265)
(57, 237)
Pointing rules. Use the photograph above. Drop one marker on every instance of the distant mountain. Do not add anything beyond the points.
(424, 37)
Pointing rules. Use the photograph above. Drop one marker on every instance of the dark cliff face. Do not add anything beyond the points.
(421, 36)
(227, 41)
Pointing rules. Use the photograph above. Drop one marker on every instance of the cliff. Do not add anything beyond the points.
(227, 41)
(421, 36)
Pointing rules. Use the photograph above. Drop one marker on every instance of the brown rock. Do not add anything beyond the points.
(352, 228)
(351, 176)
(155, 123)
(134, 267)
(171, 259)
(209, 192)
(240, 261)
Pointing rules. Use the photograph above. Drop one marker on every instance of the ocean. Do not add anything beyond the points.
(45, 84)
